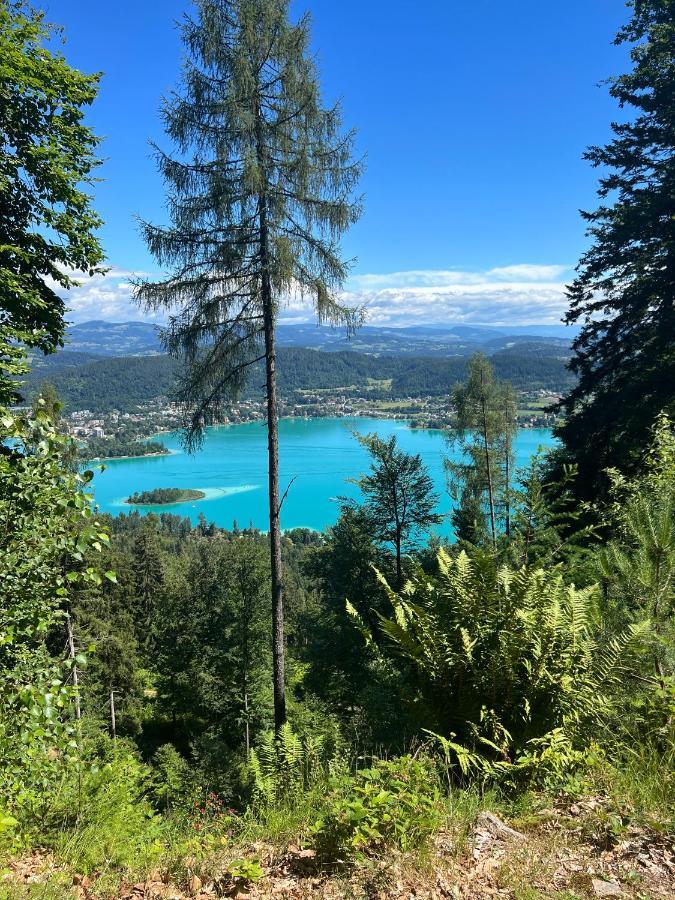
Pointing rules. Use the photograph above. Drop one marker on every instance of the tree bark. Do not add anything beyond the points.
(275, 523)
(113, 719)
(507, 475)
(278, 654)
(76, 674)
(399, 568)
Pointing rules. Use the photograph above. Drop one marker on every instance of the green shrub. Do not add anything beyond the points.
(105, 822)
(637, 567)
(171, 779)
(49, 537)
(393, 804)
(512, 669)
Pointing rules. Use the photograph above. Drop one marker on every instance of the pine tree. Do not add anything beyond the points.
(400, 501)
(148, 581)
(508, 407)
(260, 191)
(624, 293)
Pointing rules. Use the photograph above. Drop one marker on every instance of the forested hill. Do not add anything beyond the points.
(102, 384)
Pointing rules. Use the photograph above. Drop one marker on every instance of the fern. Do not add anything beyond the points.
(509, 663)
(291, 764)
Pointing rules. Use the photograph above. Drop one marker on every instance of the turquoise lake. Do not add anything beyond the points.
(321, 454)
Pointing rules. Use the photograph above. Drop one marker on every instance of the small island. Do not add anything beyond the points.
(164, 497)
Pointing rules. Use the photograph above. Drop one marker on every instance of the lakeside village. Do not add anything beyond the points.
(116, 434)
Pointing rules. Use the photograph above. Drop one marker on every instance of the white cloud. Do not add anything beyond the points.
(450, 277)
(527, 272)
(483, 303)
(521, 294)
(107, 297)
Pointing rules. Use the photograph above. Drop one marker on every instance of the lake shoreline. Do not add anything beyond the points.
(139, 456)
(318, 455)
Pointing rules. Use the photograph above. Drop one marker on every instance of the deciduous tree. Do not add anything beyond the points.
(485, 428)
(47, 160)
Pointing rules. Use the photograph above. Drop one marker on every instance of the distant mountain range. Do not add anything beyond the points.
(106, 339)
(119, 366)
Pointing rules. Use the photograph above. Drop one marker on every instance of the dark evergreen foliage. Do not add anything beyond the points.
(399, 500)
(624, 293)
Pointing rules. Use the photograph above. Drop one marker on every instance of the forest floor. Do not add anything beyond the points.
(567, 851)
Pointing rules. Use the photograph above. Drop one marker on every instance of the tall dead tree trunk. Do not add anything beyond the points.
(278, 649)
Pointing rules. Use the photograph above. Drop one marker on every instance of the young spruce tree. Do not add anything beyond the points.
(260, 189)
(624, 293)
(399, 498)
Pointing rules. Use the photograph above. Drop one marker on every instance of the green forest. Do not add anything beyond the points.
(117, 448)
(126, 382)
(188, 711)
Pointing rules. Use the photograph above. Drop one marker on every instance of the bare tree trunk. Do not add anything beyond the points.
(399, 568)
(76, 674)
(113, 721)
(507, 475)
(272, 452)
(275, 523)
(488, 465)
(247, 727)
(78, 708)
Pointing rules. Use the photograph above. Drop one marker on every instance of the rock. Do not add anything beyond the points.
(487, 821)
(284, 886)
(605, 888)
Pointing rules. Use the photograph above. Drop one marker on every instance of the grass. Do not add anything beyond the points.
(643, 785)
(120, 839)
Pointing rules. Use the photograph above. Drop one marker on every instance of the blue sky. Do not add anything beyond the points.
(474, 117)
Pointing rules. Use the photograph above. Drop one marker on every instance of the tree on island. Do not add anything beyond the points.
(47, 157)
(260, 190)
(624, 293)
(165, 496)
(400, 501)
